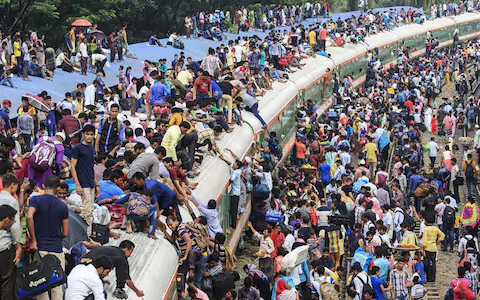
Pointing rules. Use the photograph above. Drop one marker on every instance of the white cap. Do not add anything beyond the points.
(362, 162)
(61, 134)
(477, 126)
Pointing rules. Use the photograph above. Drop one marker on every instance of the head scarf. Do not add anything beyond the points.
(253, 270)
(281, 286)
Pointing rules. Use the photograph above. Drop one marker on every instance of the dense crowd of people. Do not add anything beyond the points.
(334, 198)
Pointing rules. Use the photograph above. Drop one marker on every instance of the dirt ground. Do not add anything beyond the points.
(446, 262)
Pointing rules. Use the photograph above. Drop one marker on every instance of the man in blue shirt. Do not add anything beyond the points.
(109, 186)
(4, 114)
(162, 194)
(47, 221)
(413, 183)
(195, 65)
(210, 212)
(159, 91)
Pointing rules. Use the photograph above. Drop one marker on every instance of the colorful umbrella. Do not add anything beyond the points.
(81, 23)
(470, 215)
(37, 102)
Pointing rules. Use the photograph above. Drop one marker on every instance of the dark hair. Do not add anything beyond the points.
(101, 156)
(89, 128)
(66, 112)
(161, 150)
(6, 211)
(139, 176)
(139, 146)
(185, 125)
(138, 131)
(220, 238)
(52, 182)
(116, 174)
(103, 262)
(126, 244)
(9, 179)
(115, 105)
(212, 204)
(63, 186)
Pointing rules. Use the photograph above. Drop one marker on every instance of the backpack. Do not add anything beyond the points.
(100, 233)
(367, 287)
(409, 220)
(43, 155)
(328, 291)
(200, 235)
(77, 252)
(222, 283)
(260, 192)
(472, 252)
(448, 216)
(137, 205)
(469, 171)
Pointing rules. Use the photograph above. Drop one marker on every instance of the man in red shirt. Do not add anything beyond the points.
(71, 126)
(409, 104)
(202, 86)
(179, 179)
(323, 37)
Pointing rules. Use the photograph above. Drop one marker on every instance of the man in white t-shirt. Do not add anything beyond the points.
(440, 208)
(432, 152)
(388, 220)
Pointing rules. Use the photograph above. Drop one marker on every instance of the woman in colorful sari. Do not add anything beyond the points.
(284, 288)
(260, 280)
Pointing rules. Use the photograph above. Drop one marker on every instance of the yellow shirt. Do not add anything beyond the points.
(230, 58)
(185, 77)
(431, 235)
(457, 220)
(312, 37)
(170, 141)
(371, 149)
(17, 48)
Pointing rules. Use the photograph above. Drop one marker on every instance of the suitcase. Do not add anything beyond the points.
(40, 276)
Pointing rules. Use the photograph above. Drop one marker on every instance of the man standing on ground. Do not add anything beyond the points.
(469, 167)
(432, 151)
(83, 174)
(432, 236)
(47, 221)
(84, 56)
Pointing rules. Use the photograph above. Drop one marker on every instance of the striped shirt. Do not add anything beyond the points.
(181, 231)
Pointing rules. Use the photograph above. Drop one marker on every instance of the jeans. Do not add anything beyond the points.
(52, 129)
(199, 270)
(398, 235)
(25, 68)
(28, 141)
(217, 95)
(7, 82)
(202, 96)
(449, 238)
(7, 274)
(401, 298)
(151, 217)
(456, 234)
(189, 143)
(254, 111)
(470, 185)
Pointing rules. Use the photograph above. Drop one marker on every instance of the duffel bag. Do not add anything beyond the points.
(40, 276)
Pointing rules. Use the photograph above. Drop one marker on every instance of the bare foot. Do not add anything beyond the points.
(228, 231)
(152, 236)
(115, 235)
(129, 229)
